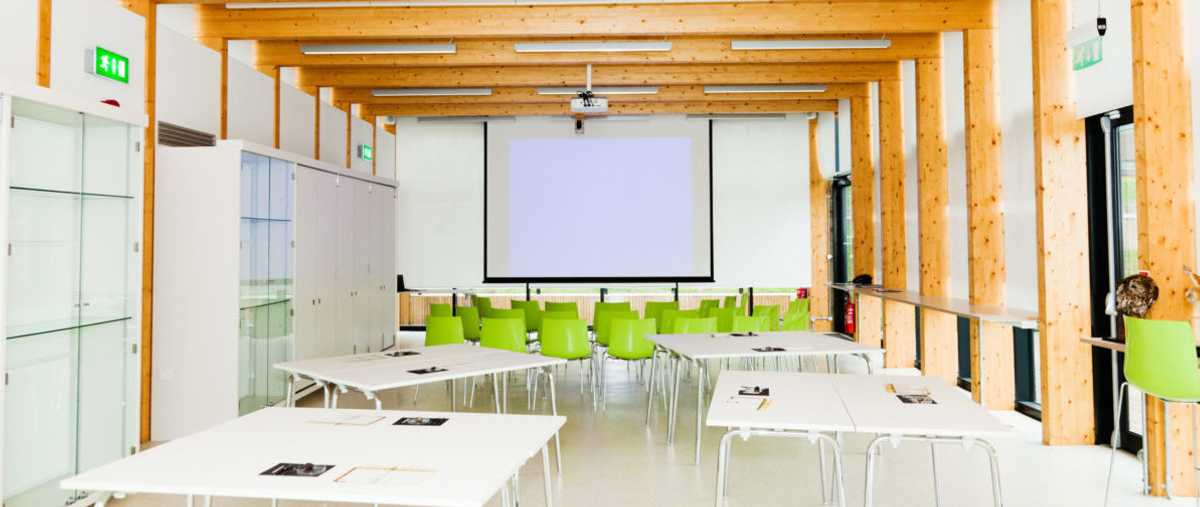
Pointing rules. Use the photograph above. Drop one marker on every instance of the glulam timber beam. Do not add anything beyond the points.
(818, 194)
(613, 20)
(615, 108)
(684, 50)
(672, 93)
(602, 75)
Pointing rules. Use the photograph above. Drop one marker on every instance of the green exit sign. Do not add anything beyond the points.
(1087, 54)
(365, 152)
(108, 64)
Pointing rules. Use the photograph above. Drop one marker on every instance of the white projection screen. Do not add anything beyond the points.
(624, 201)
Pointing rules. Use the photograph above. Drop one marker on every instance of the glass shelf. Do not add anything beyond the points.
(56, 326)
(70, 192)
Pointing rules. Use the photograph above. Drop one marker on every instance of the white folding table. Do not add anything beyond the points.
(805, 404)
(462, 463)
(699, 348)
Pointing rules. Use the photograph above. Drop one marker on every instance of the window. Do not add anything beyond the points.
(842, 220)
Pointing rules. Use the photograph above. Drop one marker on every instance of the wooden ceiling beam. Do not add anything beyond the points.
(528, 95)
(609, 21)
(602, 75)
(617, 108)
(684, 50)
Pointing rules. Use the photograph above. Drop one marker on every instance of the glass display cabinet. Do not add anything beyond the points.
(72, 296)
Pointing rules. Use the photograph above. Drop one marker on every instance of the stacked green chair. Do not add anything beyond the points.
(707, 305)
(443, 331)
(441, 310)
(694, 325)
(1160, 360)
(470, 322)
(569, 306)
(724, 318)
(504, 334)
(604, 323)
(771, 313)
(533, 314)
(627, 342)
(568, 339)
(748, 324)
(666, 324)
(654, 309)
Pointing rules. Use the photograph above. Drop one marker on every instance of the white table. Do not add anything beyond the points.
(461, 463)
(807, 403)
(699, 348)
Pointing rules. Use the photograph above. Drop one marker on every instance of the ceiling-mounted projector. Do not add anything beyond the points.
(587, 103)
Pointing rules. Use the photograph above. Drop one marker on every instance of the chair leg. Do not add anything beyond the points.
(1115, 441)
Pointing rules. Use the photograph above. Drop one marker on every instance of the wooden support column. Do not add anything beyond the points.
(899, 335)
(899, 331)
(868, 316)
(150, 145)
(45, 16)
(939, 331)
(316, 93)
(349, 133)
(818, 197)
(1064, 292)
(863, 187)
(992, 377)
(224, 89)
(278, 111)
(1163, 111)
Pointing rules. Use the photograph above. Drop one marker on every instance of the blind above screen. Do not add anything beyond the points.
(622, 201)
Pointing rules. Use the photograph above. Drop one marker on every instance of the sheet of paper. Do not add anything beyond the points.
(386, 476)
(341, 419)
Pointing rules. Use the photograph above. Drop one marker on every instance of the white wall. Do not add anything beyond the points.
(385, 152)
(912, 224)
(333, 135)
(845, 157)
(251, 104)
(1107, 85)
(188, 83)
(296, 119)
(1192, 20)
(826, 141)
(361, 132)
(18, 33)
(76, 27)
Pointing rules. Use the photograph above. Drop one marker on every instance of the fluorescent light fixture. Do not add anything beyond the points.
(762, 45)
(592, 46)
(379, 49)
(600, 90)
(432, 92)
(804, 88)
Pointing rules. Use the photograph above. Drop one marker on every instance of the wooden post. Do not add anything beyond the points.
(317, 123)
(349, 134)
(992, 343)
(818, 198)
(150, 145)
(224, 89)
(1162, 109)
(45, 16)
(891, 185)
(863, 187)
(278, 110)
(939, 331)
(899, 335)
(1064, 292)
(869, 321)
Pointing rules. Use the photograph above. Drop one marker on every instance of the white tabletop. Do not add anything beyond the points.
(461, 463)
(851, 403)
(377, 372)
(726, 345)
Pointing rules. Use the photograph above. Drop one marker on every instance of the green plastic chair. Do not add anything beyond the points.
(608, 306)
(441, 310)
(627, 342)
(666, 324)
(504, 334)
(695, 325)
(798, 306)
(771, 312)
(729, 302)
(707, 305)
(569, 306)
(748, 324)
(1160, 360)
(724, 318)
(443, 331)
(604, 324)
(565, 339)
(470, 322)
(797, 317)
(654, 309)
(482, 303)
(533, 314)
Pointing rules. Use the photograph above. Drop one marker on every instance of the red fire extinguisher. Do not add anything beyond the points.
(849, 322)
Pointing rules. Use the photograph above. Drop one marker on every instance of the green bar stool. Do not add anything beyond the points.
(569, 306)
(707, 305)
(627, 342)
(1160, 360)
(440, 310)
(771, 312)
(470, 322)
(443, 331)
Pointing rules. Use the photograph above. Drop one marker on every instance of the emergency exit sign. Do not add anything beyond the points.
(1087, 54)
(108, 64)
(365, 152)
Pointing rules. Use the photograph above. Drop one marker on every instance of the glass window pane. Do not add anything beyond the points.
(1127, 174)
(107, 156)
(47, 147)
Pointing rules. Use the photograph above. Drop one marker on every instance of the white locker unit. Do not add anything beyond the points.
(208, 367)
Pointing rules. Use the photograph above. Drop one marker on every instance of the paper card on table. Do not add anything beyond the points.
(769, 349)
(912, 394)
(402, 353)
(296, 470)
(385, 476)
(916, 399)
(342, 419)
(426, 371)
(421, 421)
(754, 391)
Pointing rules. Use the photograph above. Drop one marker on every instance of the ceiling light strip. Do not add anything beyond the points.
(379, 49)
(803, 88)
(767, 45)
(432, 92)
(592, 46)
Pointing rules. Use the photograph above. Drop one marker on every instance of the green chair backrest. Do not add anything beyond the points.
(771, 312)
(654, 309)
(604, 320)
(483, 304)
(795, 321)
(724, 318)
(559, 315)
(695, 325)
(627, 338)
(747, 324)
(1160, 358)
(443, 331)
(504, 334)
(533, 313)
(706, 305)
(565, 339)
(569, 306)
(470, 322)
(798, 306)
(440, 310)
(602, 307)
(503, 313)
(730, 302)
(666, 323)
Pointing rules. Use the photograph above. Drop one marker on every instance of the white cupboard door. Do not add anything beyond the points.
(361, 264)
(307, 204)
(326, 250)
(346, 277)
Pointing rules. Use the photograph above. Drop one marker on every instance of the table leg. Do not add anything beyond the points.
(723, 467)
(554, 411)
(334, 402)
(496, 391)
(378, 402)
(505, 501)
(653, 371)
(188, 500)
(207, 501)
(937, 501)
(701, 372)
(325, 392)
(872, 450)
(839, 472)
(821, 471)
(979, 352)
(994, 465)
(504, 393)
(546, 475)
(290, 400)
(674, 401)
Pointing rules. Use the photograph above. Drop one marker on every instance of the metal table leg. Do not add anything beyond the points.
(678, 366)
(554, 411)
(723, 459)
(546, 475)
(701, 372)
(875, 447)
(653, 372)
(496, 391)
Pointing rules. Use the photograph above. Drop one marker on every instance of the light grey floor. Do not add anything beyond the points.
(611, 459)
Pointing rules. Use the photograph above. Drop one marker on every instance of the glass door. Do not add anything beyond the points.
(843, 247)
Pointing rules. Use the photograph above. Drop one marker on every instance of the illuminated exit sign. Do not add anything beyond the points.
(107, 64)
(365, 152)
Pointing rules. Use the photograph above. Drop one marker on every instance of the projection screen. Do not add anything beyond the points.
(623, 201)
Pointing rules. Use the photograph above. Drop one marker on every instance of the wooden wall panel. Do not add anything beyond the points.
(899, 335)
(818, 195)
(863, 187)
(891, 185)
(150, 144)
(1060, 172)
(224, 89)
(868, 330)
(278, 82)
(1163, 129)
(992, 381)
(45, 15)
